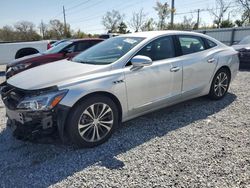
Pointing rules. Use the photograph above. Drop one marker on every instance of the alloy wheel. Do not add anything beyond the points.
(221, 84)
(95, 122)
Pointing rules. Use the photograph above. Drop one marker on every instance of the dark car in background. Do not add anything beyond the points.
(243, 47)
(109, 35)
(64, 50)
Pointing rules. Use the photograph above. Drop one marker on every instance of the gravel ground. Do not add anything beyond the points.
(199, 143)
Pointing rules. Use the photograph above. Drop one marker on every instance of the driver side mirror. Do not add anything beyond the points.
(140, 61)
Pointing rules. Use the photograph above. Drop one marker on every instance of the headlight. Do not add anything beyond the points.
(20, 66)
(42, 102)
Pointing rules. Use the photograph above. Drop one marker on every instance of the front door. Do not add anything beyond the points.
(157, 82)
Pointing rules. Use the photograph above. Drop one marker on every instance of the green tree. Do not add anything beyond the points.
(239, 23)
(122, 28)
(227, 24)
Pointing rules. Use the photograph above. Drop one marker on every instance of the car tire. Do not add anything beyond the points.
(92, 121)
(220, 84)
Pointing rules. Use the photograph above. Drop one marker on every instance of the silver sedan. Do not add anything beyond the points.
(121, 78)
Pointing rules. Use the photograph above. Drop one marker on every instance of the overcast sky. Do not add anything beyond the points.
(87, 14)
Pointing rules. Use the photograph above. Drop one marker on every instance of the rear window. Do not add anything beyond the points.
(191, 44)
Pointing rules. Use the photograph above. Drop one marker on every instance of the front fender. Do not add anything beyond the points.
(113, 84)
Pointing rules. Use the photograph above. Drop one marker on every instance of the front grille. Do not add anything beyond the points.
(11, 96)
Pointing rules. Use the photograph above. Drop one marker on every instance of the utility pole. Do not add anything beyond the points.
(172, 14)
(65, 24)
(198, 18)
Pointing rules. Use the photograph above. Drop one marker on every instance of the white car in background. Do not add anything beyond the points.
(243, 44)
(9, 51)
(114, 81)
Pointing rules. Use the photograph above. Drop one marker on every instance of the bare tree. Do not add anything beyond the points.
(26, 31)
(24, 26)
(219, 11)
(163, 11)
(7, 33)
(111, 20)
(245, 6)
(56, 26)
(56, 30)
(137, 21)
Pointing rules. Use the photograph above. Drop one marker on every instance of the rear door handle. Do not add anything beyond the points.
(175, 69)
(211, 60)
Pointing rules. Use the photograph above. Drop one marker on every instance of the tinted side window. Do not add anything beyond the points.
(159, 49)
(94, 42)
(191, 44)
(210, 43)
(70, 48)
(81, 46)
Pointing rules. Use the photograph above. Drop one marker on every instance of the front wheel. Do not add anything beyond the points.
(92, 121)
(220, 84)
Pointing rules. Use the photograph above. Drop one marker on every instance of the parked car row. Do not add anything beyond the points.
(14, 50)
(88, 96)
(62, 50)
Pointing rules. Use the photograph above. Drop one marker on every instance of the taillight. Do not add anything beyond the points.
(48, 46)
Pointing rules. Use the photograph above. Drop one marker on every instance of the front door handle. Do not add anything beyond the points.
(175, 69)
(212, 60)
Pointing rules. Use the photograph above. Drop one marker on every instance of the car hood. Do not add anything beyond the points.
(240, 46)
(25, 58)
(52, 74)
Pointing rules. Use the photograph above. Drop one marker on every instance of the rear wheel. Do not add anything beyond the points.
(92, 121)
(220, 84)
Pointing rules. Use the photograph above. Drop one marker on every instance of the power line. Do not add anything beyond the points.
(100, 15)
(69, 9)
(202, 10)
(78, 5)
(88, 7)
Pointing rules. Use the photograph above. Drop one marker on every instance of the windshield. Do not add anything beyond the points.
(108, 51)
(58, 48)
(58, 42)
(245, 40)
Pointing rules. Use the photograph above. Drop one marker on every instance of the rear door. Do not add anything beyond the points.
(198, 61)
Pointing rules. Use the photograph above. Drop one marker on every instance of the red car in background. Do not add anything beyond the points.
(64, 50)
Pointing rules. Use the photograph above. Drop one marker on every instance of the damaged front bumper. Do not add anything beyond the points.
(29, 124)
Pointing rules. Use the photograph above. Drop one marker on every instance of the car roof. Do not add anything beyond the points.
(153, 34)
(86, 39)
